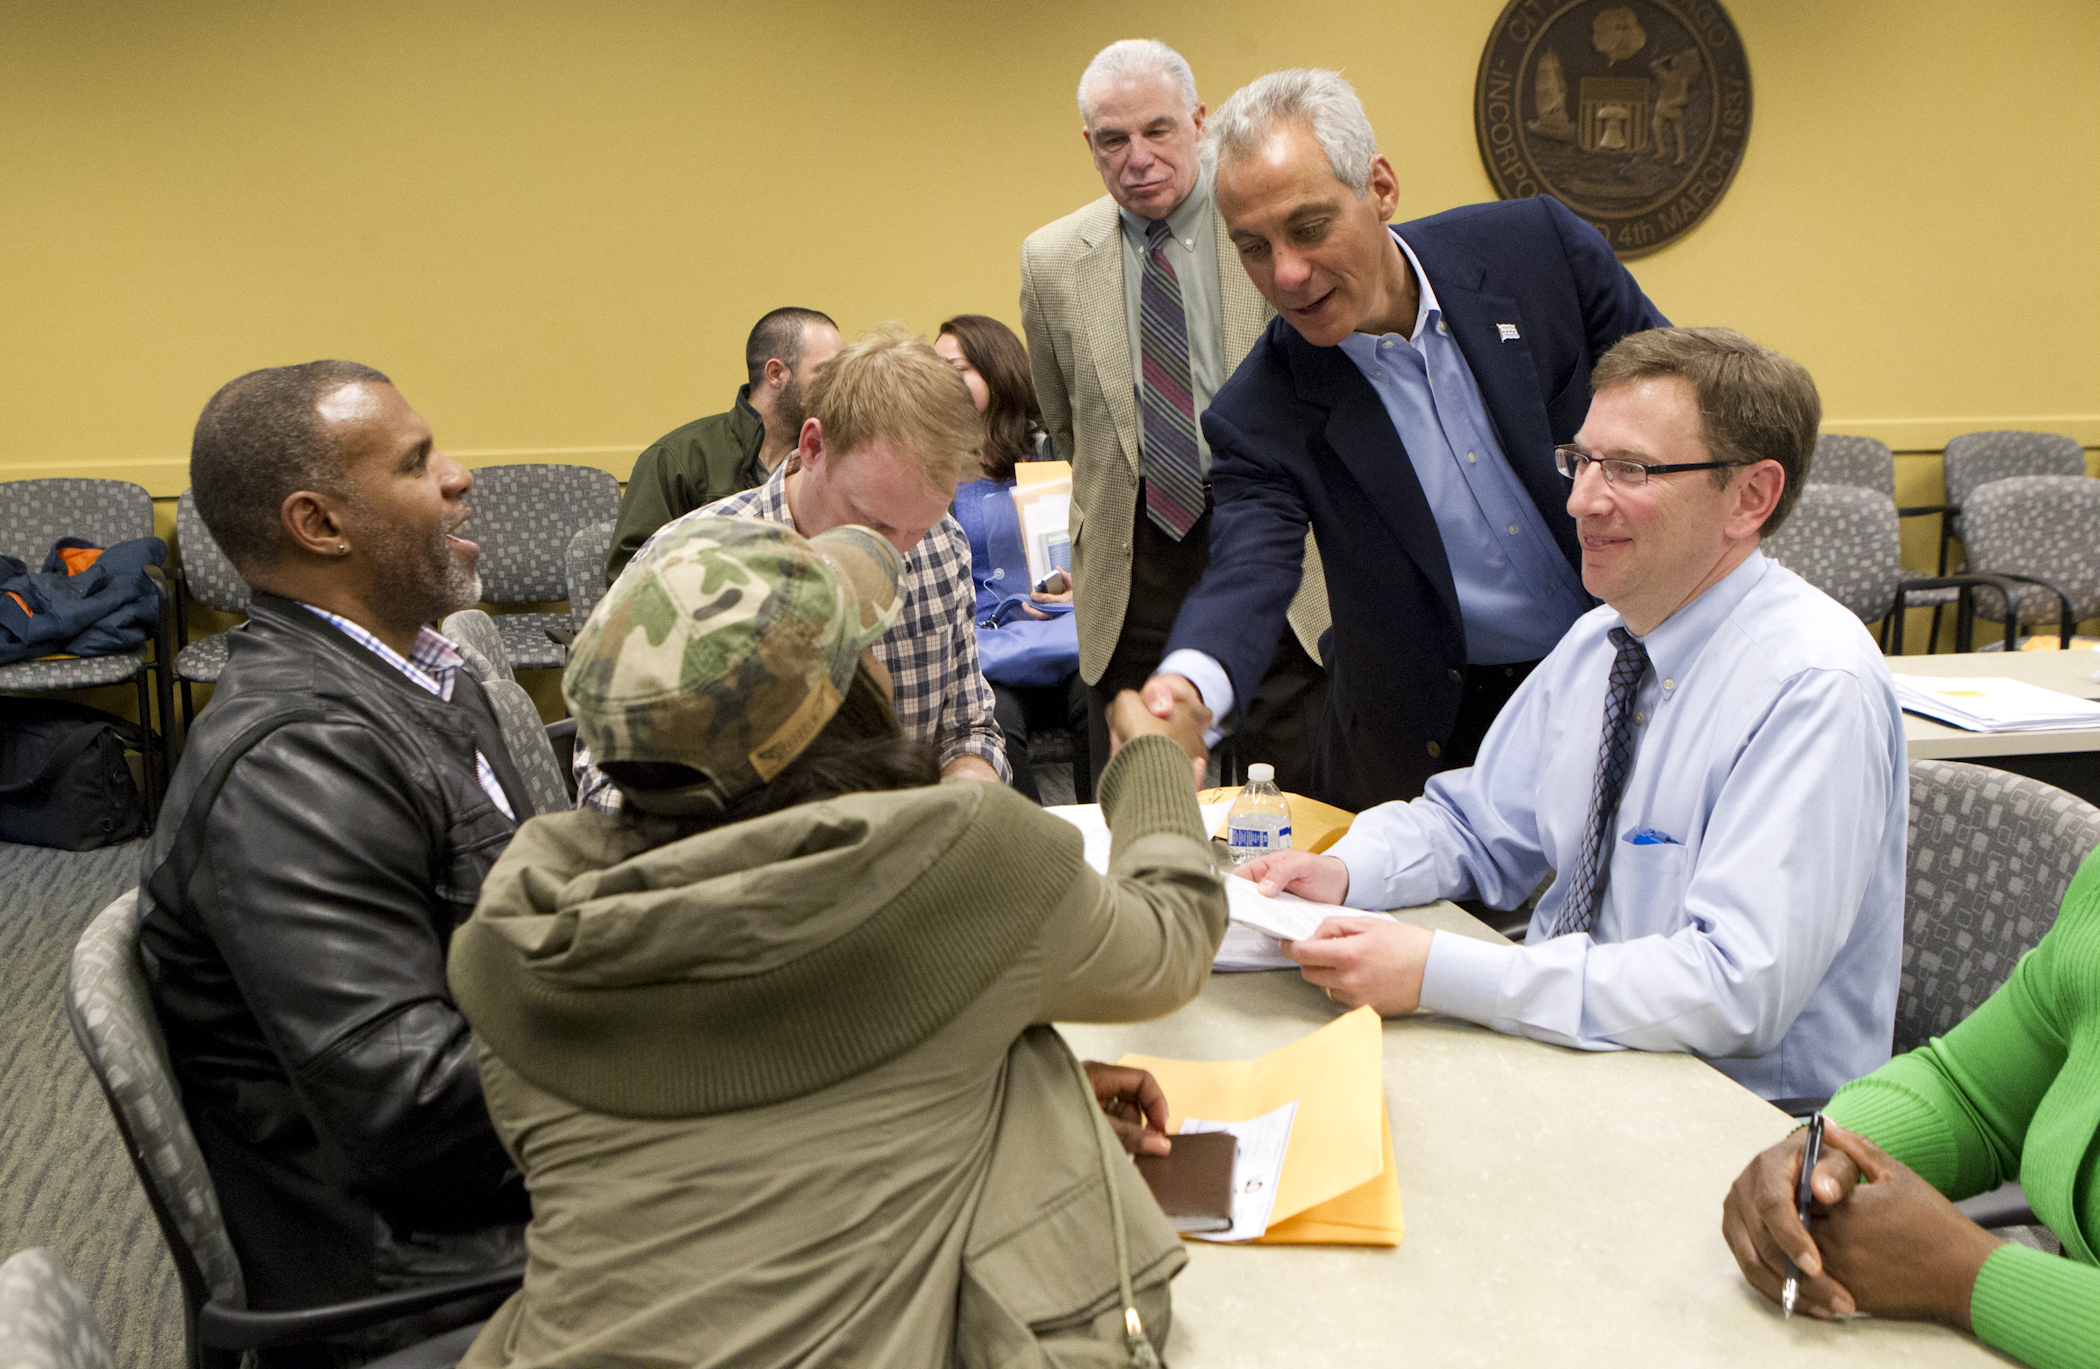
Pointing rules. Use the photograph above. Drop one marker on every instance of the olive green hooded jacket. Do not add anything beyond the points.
(782, 1093)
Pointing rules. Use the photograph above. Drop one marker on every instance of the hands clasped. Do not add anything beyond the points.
(1169, 706)
(1880, 1239)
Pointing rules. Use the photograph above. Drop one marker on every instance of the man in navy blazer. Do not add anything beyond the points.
(1405, 403)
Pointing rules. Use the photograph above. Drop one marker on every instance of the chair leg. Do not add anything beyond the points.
(189, 708)
(150, 760)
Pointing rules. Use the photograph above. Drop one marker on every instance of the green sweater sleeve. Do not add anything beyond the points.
(2041, 1309)
(2013, 1091)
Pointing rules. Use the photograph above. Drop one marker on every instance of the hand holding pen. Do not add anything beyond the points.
(1804, 1194)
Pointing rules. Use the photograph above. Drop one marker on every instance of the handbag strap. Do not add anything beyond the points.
(67, 752)
(1142, 1355)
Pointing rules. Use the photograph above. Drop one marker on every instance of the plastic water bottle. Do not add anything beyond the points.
(1260, 820)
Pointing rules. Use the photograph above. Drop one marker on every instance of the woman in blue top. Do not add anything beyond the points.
(1026, 641)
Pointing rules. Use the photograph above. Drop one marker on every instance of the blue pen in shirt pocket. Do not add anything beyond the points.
(1648, 836)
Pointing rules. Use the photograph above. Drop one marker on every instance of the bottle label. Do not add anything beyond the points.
(1258, 838)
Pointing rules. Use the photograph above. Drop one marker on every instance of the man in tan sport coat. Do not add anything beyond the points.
(1080, 305)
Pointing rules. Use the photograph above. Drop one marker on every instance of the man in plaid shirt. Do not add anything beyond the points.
(891, 431)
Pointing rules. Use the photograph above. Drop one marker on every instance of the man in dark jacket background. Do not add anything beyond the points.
(329, 825)
(723, 454)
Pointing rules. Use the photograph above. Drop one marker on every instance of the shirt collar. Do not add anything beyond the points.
(1364, 346)
(431, 663)
(1677, 641)
(1188, 216)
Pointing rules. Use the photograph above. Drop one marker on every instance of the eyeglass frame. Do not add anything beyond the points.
(1603, 464)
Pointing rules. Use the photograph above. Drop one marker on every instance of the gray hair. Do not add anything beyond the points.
(1137, 57)
(1319, 100)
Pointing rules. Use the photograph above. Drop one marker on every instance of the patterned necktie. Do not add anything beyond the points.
(1614, 759)
(1173, 479)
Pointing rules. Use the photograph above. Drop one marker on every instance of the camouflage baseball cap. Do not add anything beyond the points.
(725, 649)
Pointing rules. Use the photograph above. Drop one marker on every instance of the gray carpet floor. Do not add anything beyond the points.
(64, 1180)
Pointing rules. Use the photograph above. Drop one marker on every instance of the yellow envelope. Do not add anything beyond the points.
(1340, 1141)
(1315, 826)
(1029, 472)
(1365, 1215)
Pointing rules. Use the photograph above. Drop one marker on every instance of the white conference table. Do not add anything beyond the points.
(2067, 672)
(1563, 1208)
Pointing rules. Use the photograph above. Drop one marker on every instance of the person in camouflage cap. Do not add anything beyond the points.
(725, 650)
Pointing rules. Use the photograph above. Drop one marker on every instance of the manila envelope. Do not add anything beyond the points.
(1366, 1215)
(1340, 1141)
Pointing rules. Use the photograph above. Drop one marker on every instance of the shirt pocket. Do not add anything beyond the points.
(1646, 893)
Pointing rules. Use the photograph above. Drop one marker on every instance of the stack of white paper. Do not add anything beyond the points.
(1991, 704)
(1259, 925)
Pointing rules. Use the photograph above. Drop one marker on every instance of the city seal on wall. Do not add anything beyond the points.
(1633, 113)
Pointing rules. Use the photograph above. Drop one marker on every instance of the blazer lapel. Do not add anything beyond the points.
(1098, 270)
(1361, 434)
(1508, 381)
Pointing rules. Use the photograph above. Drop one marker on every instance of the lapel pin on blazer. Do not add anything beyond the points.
(1508, 331)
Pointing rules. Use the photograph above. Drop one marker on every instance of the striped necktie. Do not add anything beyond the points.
(1614, 759)
(1173, 478)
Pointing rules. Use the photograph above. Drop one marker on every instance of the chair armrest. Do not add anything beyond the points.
(2005, 1205)
(241, 1328)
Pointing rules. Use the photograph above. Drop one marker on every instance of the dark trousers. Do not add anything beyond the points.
(1024, 710)
(1281, 722)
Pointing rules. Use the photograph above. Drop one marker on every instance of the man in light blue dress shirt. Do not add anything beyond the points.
(1747, 901)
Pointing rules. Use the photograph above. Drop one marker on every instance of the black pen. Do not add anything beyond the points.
(1803, 1195)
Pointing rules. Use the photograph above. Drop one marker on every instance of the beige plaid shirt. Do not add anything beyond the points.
(930, 651)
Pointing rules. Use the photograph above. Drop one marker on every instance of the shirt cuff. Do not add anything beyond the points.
(1463, 977)
(1203, 671)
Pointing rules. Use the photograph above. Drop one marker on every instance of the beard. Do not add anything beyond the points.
(788, 410)
(420, 579)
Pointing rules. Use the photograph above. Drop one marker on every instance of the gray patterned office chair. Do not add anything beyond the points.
(2045, 530)
(1990, 856)
(1843, 540)
(36, 513)
(1973, 460)
(1865, 462)
(474, 632)
(45, 1320)
(523, 518)
(209, 578)
(587, 552)
(113, 1020)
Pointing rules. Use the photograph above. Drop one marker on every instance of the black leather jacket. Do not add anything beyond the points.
(323, 835)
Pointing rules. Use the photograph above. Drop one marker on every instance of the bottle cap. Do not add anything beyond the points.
(1261, 774)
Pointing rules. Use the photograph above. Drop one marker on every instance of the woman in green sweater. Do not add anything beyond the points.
(2012, 1092)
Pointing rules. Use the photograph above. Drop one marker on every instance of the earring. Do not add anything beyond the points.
(342, 548)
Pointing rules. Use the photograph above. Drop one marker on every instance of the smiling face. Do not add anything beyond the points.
(1649, 550)
(1316, 251)
(1145, 141)
(404, 503)
(873, 485)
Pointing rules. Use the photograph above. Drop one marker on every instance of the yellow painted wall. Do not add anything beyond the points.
(554, 222)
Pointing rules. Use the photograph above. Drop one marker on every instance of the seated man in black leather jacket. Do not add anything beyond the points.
(330, 823)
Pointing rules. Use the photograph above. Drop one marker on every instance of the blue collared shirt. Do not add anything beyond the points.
(1754, 909)
(1517, 593)
(433, 664)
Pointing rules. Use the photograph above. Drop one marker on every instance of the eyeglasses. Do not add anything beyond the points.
(1569, 461)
